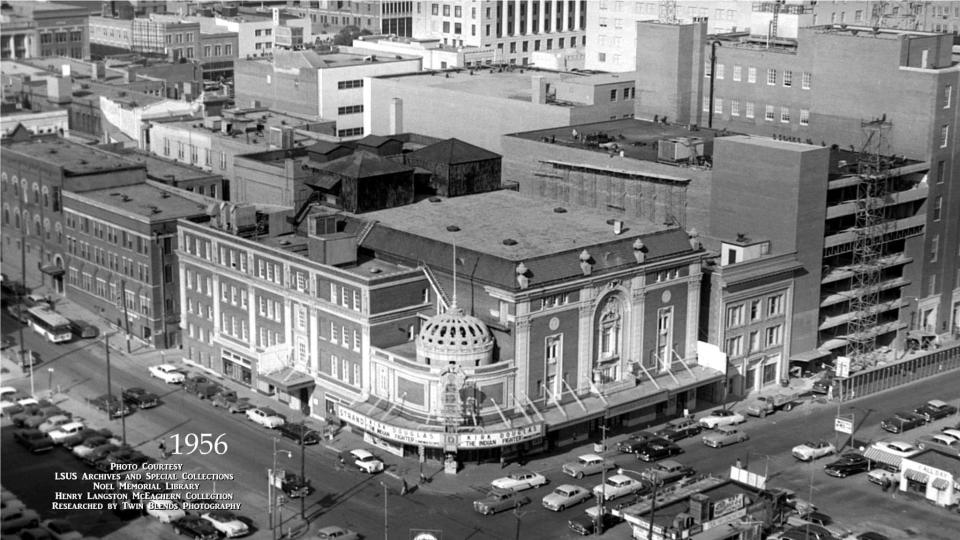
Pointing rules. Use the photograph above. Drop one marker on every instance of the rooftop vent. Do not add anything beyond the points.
(164, 195)
(125, 198)
(435, 199)
(509, 242)
(453, 228)
(375, 270)
(560, 210)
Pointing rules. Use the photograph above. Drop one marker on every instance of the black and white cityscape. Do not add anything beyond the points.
(480, 269)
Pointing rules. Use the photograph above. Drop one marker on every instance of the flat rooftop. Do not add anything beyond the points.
(145, 201)
(638, 139)
(485, 220)
(365, 267)
(165, 170)
(76, 159)
(664, 515)
(938, 460)
(250, 118)
(507, 84)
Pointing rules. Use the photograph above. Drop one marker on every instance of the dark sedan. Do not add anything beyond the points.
(846, 465)
(935, 410)
(33, 440)
(902, 421)
(83, 435)
(140, 398)
(299, 433)
(680, 428)
(194, 526)
(656, 449)
(631, 445)
(585, 524)
(110, 405)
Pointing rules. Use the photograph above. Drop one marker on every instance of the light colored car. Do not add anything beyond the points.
(266, 417)
(724, 436)
(565, 496)
(722, 417)
(54, 422)
(366, 461)
(66, 430)
(227, 523)
(61, 529)
(586, 465)
(164, 510)
(620, 485)
(520, 481)
(810, 451)
(334, 532)
(955, 433)
(167, 373)
(897, 448)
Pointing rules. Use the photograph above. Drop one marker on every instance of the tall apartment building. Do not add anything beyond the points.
(821, 88)
(516, 28)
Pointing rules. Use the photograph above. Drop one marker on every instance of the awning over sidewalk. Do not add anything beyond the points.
(941, 483)
(289, 379)
(809, 356)
(916, 476)
(875, 454)
(52, 270)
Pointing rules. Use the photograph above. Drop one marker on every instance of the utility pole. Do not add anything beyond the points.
(517, 514)
(386, 529)
(598, 529)
(303, 471)
(23, 288)
(106, 349)
(126, 313)
(653, 507)
(123, 417)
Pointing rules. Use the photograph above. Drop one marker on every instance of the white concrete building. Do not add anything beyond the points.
(433, 53)
(514, 28)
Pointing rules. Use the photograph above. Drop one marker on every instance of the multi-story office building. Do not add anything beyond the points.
(44, 29)
(515, 28)
(365, 319)
(374, 16)
(121, 243)
(819, 89)
(35, 175)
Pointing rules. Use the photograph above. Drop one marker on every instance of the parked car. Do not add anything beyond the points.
(620, 485)
(667, 471)
(203, 387)
(19, 313)
(61, 529)
(902, 421)
(13, 521)
(897, 448)
(884, 475)
(84, 330)
(37, 419)
(565, 496)
(32, 358)
(55, 422)
(807, 532)
(586, 465)
(334, 532)
(66, 430)
(498, 500)
(520, 481)
(722, 417)
(228, 523)
(140, 398)
(847, 464)
(724, 436)
(810, 451)
(110, 405)
(764, 405)
(195, 527)
(940, 441)
(631, 444)
(935, 409)
(822, 385)
(953, 432)
(265, 416)
(167, 373)
(29, 407)
(681, 428)
(366, 461)
(165, 510)
(100, 453)
(33, 440)
(300, 433)
(586, 524)
(656, 449)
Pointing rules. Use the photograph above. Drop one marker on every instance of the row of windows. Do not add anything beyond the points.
(109, 291)
(748, 111)
(104, 231)
(61, 37)
(200, 284)
(786, 77)
(350, 132)
(755, 310)
(340, 370)
(195, 307)
(755, 341)
(270, 309)
(345, 296)
(236, 296)
(233, 326)
(341, 335)
(38, 230)
(355, 83)
(525, 45)
(109, 260)
(218, 50)
(200, 333)
(49, 197)
(350, 109)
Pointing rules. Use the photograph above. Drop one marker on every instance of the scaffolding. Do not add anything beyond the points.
(873, 172)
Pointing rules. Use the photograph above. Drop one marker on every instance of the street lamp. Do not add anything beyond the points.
(386, 529)
(303, 465)
(50, 380)
(601, 497)
(653, 499)
(270, 493)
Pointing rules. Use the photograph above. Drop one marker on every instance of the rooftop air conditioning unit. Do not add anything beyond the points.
(679, 149)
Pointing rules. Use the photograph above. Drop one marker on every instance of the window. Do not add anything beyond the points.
(805, 80)
(934, 247)
(613, 94)
(947, 96)
(351, 132)
(350, 109)
(804, 117)
(446, 10)
(446, 26)
(749, 109)
(737, 73)
(774, 336)
(552, 348)
(775, 305)
(720, 71)
(707, 69)
(706, 103)
(785, 115)
(768, 114)
(664, 333)
(944, 135)
(754, 343)
(718, 105)
(434, 9)
(771, 77)
(937, 207)
(751, 74)
(356, 83)
(735, 315)
(734, 346)
(735, 107)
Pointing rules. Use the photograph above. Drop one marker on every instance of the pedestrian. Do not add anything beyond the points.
(163, 449)
(341, 462)
(403, 488)
(739, 465)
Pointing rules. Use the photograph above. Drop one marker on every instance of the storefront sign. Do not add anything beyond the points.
(729, 518)
(730, 504)
(394, 449)
(843, 425)
(500, 438)
(398, 434)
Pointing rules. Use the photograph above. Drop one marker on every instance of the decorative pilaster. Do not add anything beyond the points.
(693, 310)
(638, 302)
(522, 349)
(585, 344)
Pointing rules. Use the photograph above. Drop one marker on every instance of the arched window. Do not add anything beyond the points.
(59, 229)
(609, 339)
(16, 187)
(6, 214)
(16, 218)
(26, 222)
(46, 228)
(36, 226)
(36, 193)
(26, 194)
(46, 197)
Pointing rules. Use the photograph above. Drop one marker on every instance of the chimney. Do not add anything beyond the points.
(59, 90)
(538, 90)
(396, 116)
(131, 75)
(65, 70)
(97, 71)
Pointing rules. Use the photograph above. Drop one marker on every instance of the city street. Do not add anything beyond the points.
(355, 500)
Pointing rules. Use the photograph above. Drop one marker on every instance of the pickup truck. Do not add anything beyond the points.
(765, 405)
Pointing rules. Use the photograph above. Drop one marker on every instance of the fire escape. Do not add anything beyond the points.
(873, 172)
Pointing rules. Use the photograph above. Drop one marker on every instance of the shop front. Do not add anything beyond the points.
(932, 475)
